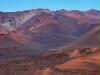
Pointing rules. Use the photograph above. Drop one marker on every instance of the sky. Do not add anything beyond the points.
(18, 5)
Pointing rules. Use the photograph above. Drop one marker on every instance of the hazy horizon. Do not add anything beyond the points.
(20, 5)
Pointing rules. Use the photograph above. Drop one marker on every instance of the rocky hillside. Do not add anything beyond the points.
(44, 29)
(45, 42)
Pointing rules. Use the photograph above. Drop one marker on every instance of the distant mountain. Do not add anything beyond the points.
(44, 42)
(44, 29)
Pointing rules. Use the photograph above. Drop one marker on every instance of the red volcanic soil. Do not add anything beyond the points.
(50, 29)
(20, 37)
(46, 42)
(81, 18)
(55, 63)
(87, 65)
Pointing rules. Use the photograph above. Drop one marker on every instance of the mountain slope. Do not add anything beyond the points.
(47, 30)
(91, 39)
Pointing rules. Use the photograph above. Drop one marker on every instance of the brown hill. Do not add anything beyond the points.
(88, 65)
(44, 42)
(88, 40)
(47, 29)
